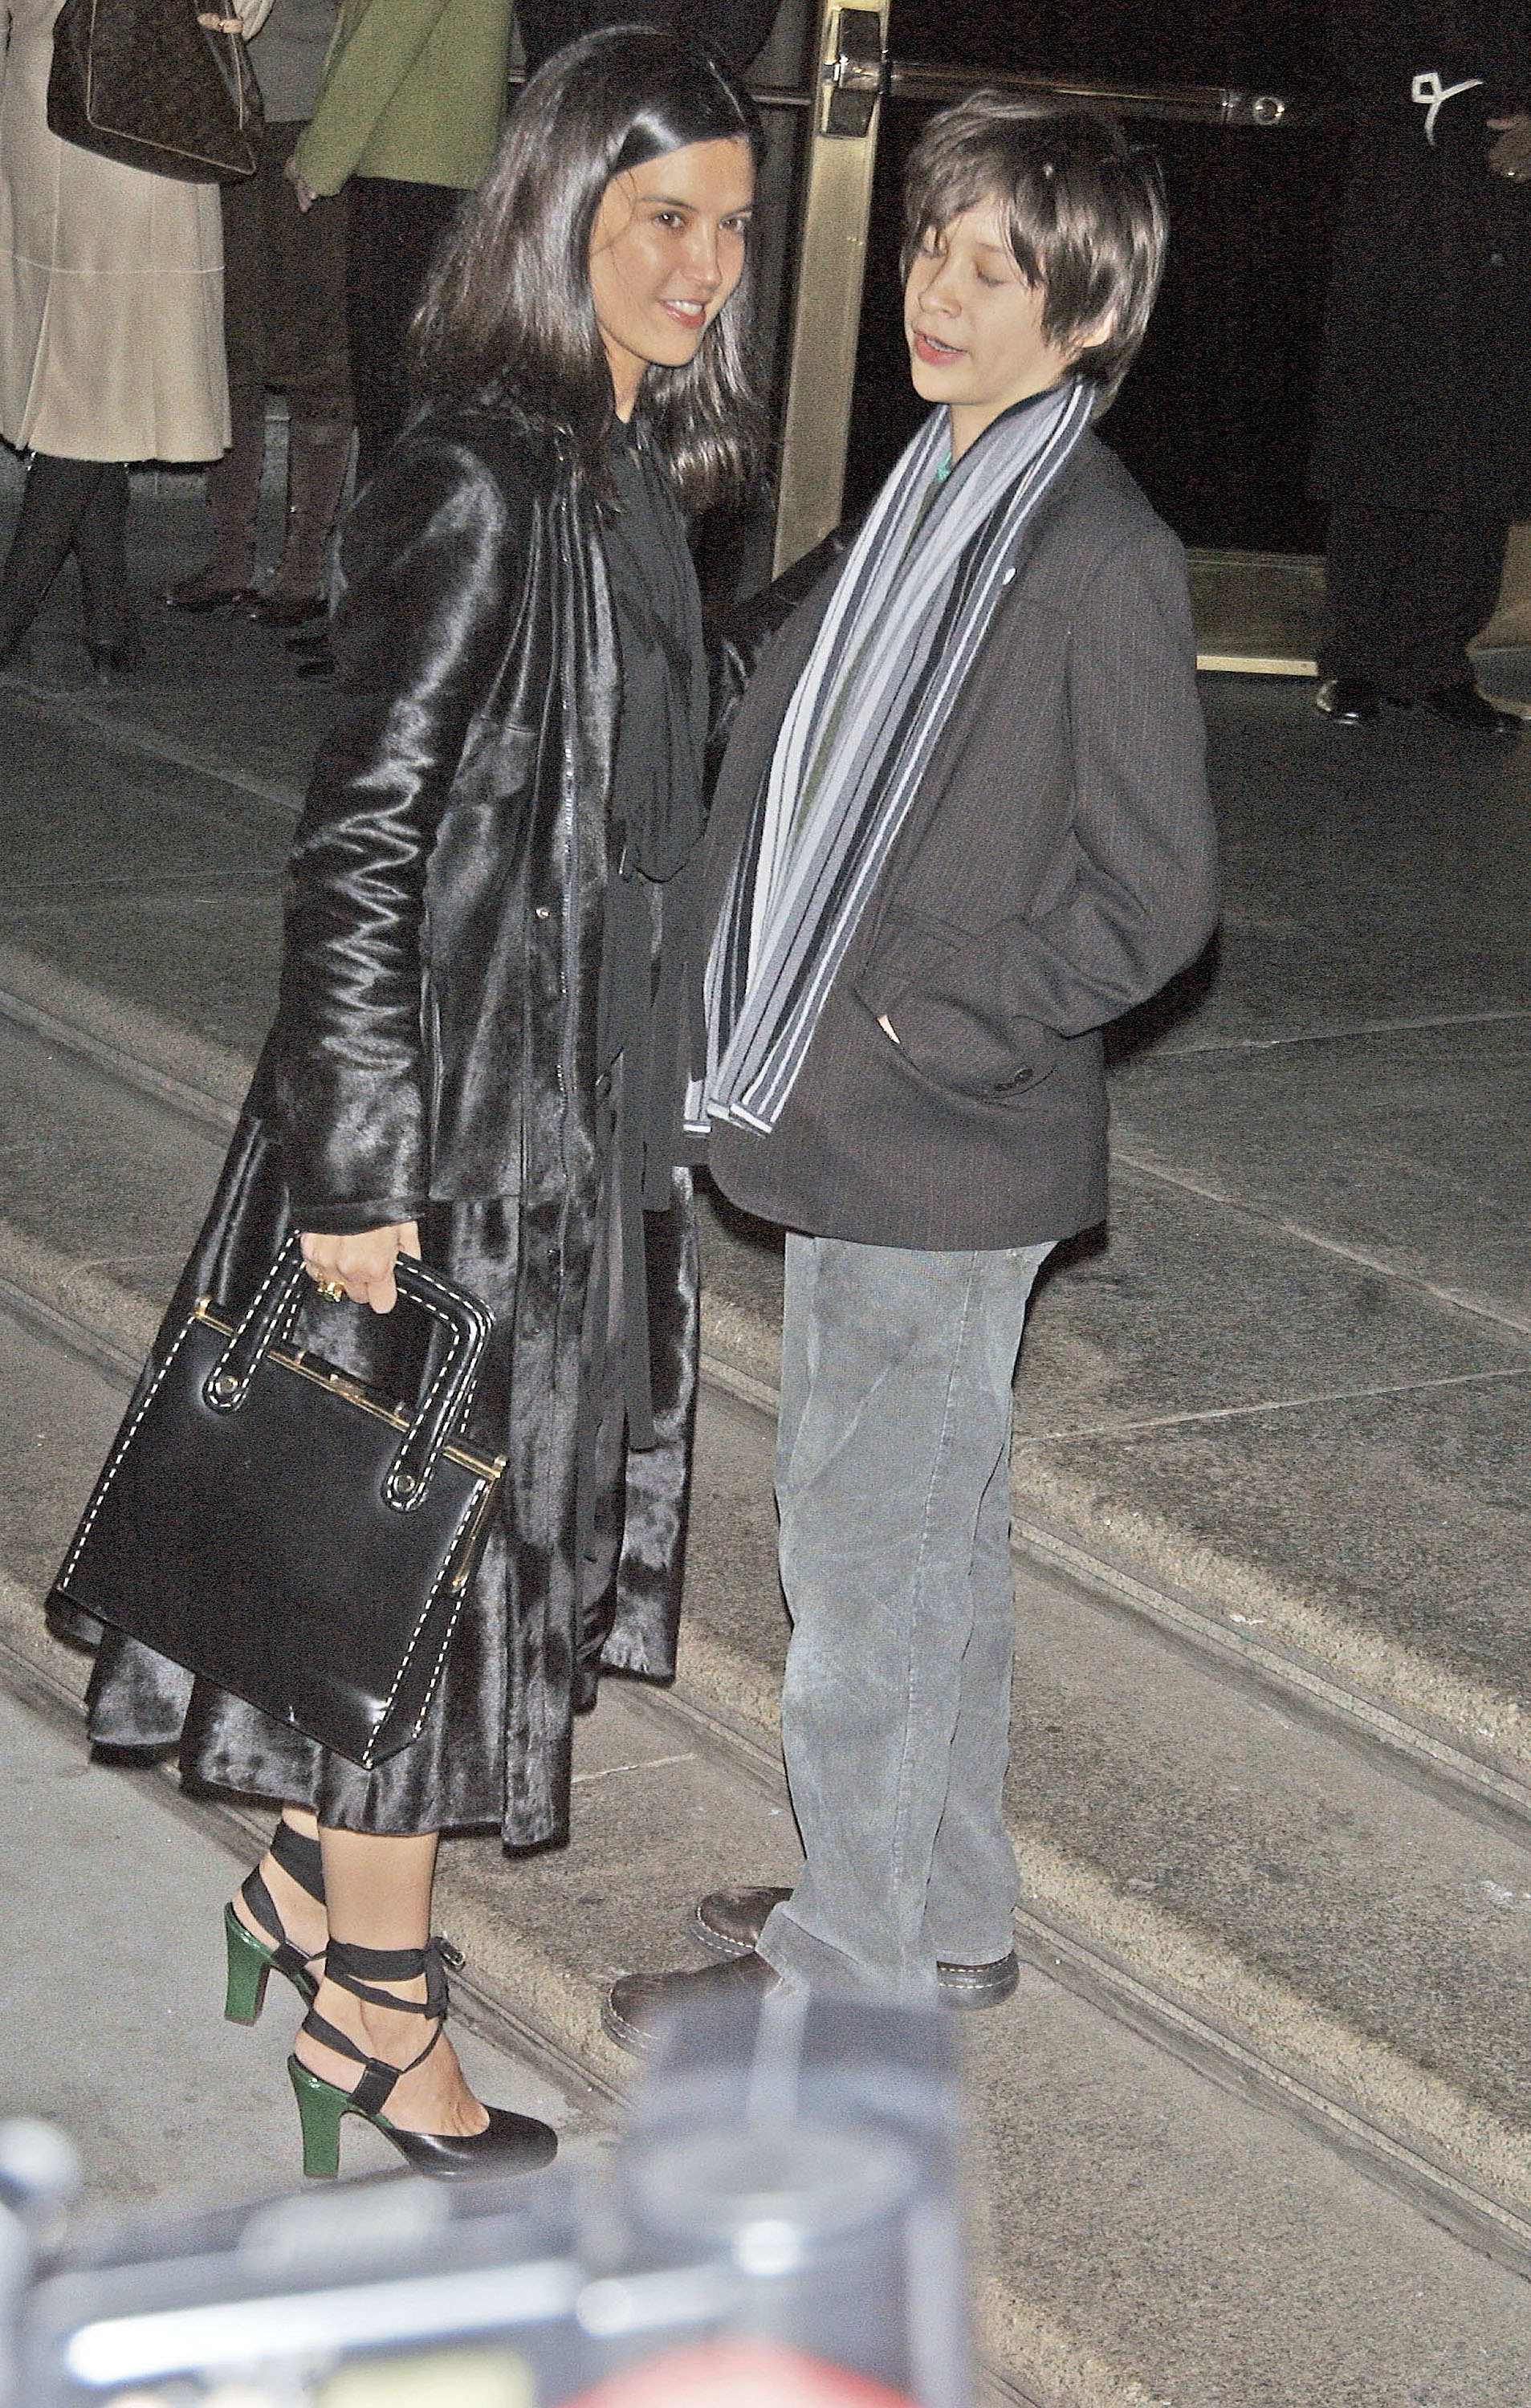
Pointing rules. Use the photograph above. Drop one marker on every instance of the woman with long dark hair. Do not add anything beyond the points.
(488, 1000)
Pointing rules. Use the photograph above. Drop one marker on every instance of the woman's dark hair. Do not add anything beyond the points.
(506, 313)
(1083, 211)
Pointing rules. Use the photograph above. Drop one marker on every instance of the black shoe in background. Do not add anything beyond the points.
(1353, 701)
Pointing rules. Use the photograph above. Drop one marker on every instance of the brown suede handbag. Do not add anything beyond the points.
(143, 83)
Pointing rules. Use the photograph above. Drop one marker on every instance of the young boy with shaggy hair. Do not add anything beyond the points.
(961, 826)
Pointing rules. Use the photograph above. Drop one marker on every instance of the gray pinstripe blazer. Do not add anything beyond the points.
(1059, 864)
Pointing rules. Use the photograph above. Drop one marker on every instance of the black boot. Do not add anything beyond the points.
(58, 492)
(111, 633)
(318, 456)
(234, 492)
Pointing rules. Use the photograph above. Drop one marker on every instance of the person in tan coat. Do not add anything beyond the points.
(112, 342)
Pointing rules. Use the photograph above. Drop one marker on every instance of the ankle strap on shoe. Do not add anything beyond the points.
(285, 1956)
(347, 1965)
(356, 1968)
(378, 2079)
(300, 1859)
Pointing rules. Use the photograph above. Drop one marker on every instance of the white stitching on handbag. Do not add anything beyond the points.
(231, 1404)
(126, 1439)
(115, 1462)
(469, 1510)
(482, 1326)
(475, 1500)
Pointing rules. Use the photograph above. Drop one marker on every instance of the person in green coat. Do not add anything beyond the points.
(409, 114)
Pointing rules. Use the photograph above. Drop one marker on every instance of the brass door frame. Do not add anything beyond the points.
(831, 267)
(855, 73)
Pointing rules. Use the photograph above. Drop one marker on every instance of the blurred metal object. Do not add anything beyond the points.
(804, 2148)
(315, 2299)
(39, 2173)
(787, 2199)
(39, 2177)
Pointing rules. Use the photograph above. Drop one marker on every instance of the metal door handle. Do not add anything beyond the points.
(853, 80)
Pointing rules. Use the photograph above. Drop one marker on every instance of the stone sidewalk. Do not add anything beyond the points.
(1284, 1394)
(1291, 1377)
(120, 1893)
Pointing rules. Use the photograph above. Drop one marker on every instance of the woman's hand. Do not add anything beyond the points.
(363, 1265)
(306, 196)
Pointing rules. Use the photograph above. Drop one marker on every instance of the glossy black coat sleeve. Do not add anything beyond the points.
(429, 566)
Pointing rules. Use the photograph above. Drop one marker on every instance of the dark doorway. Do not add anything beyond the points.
(1216, 418)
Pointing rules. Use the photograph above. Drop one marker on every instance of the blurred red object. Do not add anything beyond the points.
(738, 2374)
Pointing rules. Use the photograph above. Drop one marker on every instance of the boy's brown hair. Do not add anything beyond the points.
(1082, 209)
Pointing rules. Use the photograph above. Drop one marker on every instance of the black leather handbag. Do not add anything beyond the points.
(143, 83)
(274, 1527)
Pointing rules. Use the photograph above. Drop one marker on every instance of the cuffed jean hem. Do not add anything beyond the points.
(807, 1963)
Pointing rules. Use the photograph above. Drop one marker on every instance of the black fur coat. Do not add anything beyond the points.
(434, 1058)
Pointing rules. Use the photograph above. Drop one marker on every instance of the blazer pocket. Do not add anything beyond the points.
(945, 1047)
(904, 951)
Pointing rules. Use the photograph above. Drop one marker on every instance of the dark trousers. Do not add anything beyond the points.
(1407, 590)
(395, 228)
(77, 506)
(284, 294)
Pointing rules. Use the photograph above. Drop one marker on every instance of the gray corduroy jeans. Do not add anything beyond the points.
(892, 1482)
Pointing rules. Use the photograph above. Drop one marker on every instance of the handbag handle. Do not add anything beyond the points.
(274, 1308)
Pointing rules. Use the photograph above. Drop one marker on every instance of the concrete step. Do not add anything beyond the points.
(1281, 1860)
(1348, 1907)
(1268, 1440)
(118, 1889)
(1206, 1816)
(1308, 1425)
(1150, 2230)
(1143, 1398)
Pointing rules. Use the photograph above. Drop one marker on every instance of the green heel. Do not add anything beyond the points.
(250, 1963)
(320, 2108)
(252, 1958)
(508, 2143)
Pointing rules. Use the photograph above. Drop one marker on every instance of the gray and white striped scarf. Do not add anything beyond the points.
(906, 622)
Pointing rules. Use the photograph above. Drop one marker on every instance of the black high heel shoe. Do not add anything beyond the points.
(252, 1960)
(509, 2144)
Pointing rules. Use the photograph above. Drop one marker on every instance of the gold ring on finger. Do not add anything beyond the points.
(330, 1290)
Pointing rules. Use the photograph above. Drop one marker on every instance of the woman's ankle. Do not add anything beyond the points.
(389, 2033)
(303, 1919)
